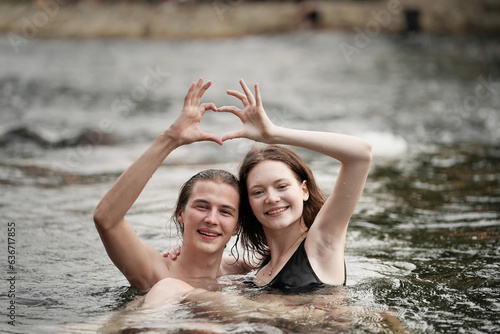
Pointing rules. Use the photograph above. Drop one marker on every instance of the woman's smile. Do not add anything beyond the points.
(276, 211)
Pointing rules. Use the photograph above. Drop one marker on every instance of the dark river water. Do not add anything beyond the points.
(422, 248)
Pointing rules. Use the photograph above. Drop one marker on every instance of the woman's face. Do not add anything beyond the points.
(210, 216)
(276, 196)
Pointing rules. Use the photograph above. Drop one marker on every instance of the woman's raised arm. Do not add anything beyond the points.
(326, 237)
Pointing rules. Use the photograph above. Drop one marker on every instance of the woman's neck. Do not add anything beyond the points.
(280, 242)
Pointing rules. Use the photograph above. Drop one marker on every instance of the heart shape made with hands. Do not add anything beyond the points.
(219, 123)
(252, 115)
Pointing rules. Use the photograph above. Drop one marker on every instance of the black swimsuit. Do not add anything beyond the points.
(297, 274)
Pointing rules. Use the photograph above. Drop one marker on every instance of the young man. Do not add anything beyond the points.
(207, 209)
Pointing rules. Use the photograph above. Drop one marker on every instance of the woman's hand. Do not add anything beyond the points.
(256, 124)
(186, 128)
(173, 253)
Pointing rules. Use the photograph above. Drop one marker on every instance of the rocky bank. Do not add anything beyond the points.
(231, 18)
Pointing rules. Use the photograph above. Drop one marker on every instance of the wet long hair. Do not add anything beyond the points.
(214, 175)
(253, 238)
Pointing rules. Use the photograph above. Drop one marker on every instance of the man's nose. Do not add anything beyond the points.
(212, 216)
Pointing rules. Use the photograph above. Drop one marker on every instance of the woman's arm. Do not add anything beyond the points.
(141, 264)
(326, 237)
(228, 266)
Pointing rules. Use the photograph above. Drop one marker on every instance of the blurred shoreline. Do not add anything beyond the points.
(233, 18)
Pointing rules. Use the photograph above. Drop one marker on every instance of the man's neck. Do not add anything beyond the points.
(196, 265)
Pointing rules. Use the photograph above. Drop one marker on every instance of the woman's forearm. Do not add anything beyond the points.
(347, 149)
(120, 198)
(258, 127)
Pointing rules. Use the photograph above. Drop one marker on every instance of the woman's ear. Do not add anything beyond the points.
(305, 191)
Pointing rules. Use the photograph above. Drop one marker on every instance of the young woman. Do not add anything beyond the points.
(297, 233)
(207, 210)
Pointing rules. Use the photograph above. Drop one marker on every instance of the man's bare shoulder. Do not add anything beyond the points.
(166, 290)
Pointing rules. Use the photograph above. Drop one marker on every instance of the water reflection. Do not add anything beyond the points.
(443, 209)
(328, 311)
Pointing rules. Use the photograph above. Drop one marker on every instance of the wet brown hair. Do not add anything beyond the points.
(253, 238)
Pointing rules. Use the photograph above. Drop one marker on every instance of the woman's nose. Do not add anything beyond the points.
(272, 197)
